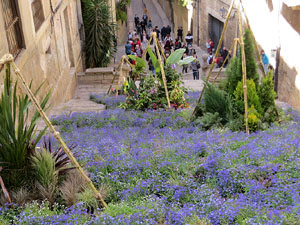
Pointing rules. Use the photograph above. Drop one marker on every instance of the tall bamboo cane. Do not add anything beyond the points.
(162, 69)
(237, 41)
(255, 43)
(120, 77)
(146, 50)
(217, 52)
(162, 51)
(225, 60)
(9, 59)
(243, 69)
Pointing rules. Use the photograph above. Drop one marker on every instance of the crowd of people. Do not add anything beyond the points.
(138, 40)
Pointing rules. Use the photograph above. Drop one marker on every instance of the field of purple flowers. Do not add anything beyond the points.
(158, 168)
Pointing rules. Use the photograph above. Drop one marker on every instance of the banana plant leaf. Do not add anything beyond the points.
(138, 60)
(186, 60)
(154, 60)
(175, 56)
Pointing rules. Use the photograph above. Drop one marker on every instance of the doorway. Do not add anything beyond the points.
(215, 30)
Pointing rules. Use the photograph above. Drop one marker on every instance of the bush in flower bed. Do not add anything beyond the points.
(223, 106)
(159, 169)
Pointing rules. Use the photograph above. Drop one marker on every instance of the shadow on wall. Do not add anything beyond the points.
(292, 17)
(288, 84)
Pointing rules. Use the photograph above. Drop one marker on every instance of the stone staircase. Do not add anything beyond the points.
(214, 73)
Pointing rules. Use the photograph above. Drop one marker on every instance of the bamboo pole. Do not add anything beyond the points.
(9, 59)
(120, 77)
(254, 40)
(146, 50)
(225, 60)
(237, 40)
(217, 52)
(162, 69)
(243, 69)
(162, 51)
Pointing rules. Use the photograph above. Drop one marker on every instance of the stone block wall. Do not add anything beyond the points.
(53, 53)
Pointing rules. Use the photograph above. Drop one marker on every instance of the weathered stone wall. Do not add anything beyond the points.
(122, 32)
(53, 53)
(179, 14)
(207, 8)
(279, 28)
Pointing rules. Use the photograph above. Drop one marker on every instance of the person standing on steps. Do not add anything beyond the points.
(163, 33)
(189, 39)
(180, 34)
(265, 61)
(145, 19)
(195, 66)
(143, 26)
(156, 30)
(149, 25)
(224, 54)
(128, 47)
(136, 20)
(168, 30)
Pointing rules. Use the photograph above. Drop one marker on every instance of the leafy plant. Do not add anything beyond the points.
(18, 137)
(267, 96)
(252, 97)
(99, 33)
(46, 176)
(215, 101)
(121, 10)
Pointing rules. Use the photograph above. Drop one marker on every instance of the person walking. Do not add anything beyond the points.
(144, 41)
(185, 66)
(128, 47)
(224, 54)
(195, 66)
(265, 60)
(180, 34)
(149, 25)
(163, 33)
(136, 20)
(156, 30)
(189, 39)
(145, 19)
(168, 30)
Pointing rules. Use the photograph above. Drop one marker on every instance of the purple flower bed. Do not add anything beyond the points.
(160, 169)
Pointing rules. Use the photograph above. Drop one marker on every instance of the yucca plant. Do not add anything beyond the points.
(99, 33)
(62, 163)
(18, 137)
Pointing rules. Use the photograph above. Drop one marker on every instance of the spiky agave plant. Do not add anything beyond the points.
(18, 137)
(99, 33)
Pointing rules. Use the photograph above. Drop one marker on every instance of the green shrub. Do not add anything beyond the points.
(267, 96)
(215, 101)
(234, 70)
(99, 33)
(253, 119)
(252, 97)
(88, 198)
(251, 66)
(18, 137)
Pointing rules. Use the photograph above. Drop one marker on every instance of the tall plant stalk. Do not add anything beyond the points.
(100, 33)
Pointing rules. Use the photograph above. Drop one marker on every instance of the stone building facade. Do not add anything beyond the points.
(45, 37)
(276, 26)
(208, 21)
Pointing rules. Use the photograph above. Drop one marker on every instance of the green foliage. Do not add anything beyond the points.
(252, 97)
(88, 198)
(253, 119)
(234, 70)
(233, 75)
(44, 168)
(18, 137)
(251, 65)
(121, 10)
(154, 60)
(209, 120)
(267, 96)
(175, 56)
(99, 33)
(215, 101)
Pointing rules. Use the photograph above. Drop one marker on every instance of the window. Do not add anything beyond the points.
(38, 13)
(13, 26)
